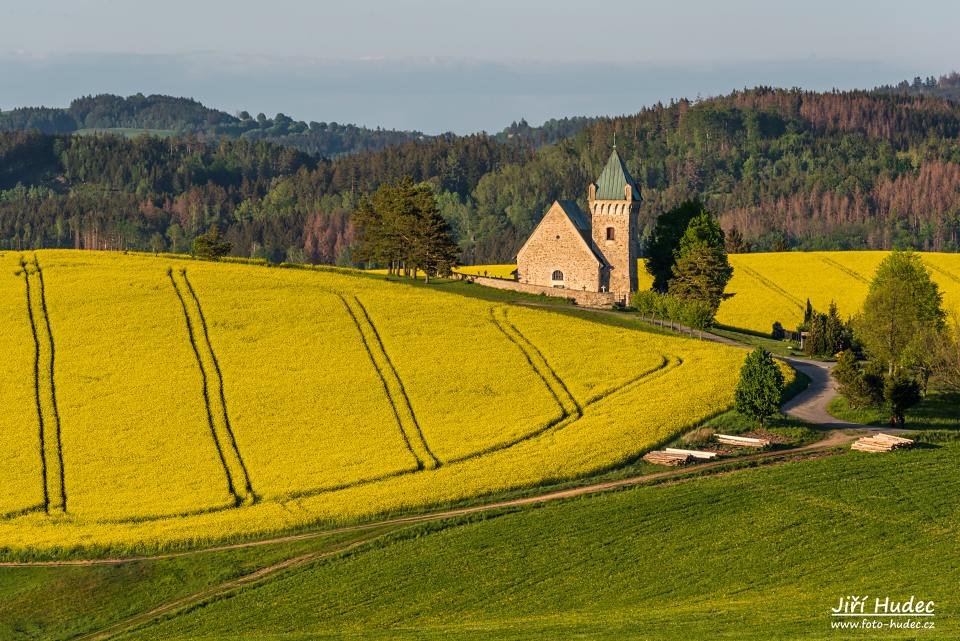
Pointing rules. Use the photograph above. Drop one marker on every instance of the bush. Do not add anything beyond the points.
(900, 392)
(210, 246)
(699, 436)
(862, 387)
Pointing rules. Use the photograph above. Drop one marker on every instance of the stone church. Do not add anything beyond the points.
(595, 252)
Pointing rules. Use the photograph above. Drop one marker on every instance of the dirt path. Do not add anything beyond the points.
(257, 576)
(833, 439)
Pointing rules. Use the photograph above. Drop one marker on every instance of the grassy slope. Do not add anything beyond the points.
(751, 555)
(939, 410)
(62, 602)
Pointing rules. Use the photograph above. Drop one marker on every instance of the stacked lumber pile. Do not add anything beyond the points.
(698, 454)
(742, 441)
(881, 443)
(667, 458)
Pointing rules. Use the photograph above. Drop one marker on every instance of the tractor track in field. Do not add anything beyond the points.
(36, 387)
(411, 434)
(420, 439)
(772, 286)
(172, 608)
(44, 385)
(943, 272)
(218, 439)
(53, 385)
(248, 486)
(833, 439)
(846, 270)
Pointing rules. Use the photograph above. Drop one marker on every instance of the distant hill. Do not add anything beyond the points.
(550, 132)
(946, 86)
(167, 115)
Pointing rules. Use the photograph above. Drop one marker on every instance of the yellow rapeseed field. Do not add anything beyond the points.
(770, 288)
(196, 401)
(22, 486)
(494, 271)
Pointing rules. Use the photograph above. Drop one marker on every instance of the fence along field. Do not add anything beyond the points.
(770, 288)
(199, 401)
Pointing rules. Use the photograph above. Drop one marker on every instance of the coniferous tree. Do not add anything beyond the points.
(701, 271)
(211, 246)
(665, 239)
(401, 227)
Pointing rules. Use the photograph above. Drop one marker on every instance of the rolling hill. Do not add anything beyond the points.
(158, 402)
(774, 287)
(748, 555)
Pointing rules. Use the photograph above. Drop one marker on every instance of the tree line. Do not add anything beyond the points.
(779, 169)
(187, 116)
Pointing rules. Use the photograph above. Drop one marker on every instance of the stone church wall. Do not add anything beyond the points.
(585, 299)
(557, 246)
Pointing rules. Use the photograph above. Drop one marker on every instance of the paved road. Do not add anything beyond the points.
(810, 405)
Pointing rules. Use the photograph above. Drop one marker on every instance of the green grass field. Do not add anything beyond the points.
(754, 554)
(938, 410)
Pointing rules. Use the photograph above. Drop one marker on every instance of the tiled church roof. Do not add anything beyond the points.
(614, 178)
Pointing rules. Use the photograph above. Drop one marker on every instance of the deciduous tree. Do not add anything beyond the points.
(760, 388)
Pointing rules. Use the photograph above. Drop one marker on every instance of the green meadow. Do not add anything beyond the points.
(752, 554)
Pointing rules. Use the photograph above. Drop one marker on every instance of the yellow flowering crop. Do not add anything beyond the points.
(200, 400)
(22, 486)
(494, 271)
(770, 288)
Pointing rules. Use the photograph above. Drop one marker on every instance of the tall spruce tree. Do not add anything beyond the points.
(701, 271)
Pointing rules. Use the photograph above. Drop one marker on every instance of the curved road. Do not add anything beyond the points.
(810, 405)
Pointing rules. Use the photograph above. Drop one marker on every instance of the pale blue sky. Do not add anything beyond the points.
(428, 64)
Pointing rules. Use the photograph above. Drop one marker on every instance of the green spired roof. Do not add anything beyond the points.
(614, 178)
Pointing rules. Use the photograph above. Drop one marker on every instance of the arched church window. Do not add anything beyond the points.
(611, 233)
(557, 275)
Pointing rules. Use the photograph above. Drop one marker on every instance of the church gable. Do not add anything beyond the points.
(559, 252)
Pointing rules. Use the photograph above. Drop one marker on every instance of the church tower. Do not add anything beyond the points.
(614, 203)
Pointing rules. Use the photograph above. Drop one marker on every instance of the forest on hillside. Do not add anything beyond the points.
(789, 169)
(168, 115)
(182, 116)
